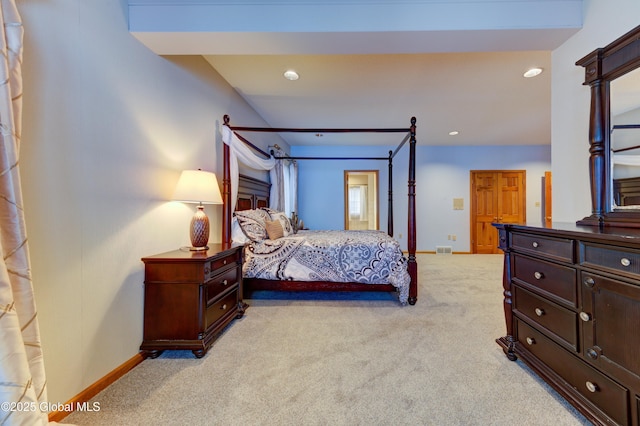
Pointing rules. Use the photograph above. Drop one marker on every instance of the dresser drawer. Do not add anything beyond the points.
(611, 259)
(218, 309)
(549, 279)
(608, 395)
(220, 283)
(561, 323)
(554, 248)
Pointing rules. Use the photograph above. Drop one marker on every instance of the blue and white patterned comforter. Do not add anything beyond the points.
(369, 257)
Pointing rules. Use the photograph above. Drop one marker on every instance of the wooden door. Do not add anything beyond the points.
(547, 198)
(496, 196)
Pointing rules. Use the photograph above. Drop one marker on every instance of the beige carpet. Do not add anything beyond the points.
(349, 360)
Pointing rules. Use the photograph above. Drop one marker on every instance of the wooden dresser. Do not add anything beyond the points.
(572, 310)
(190, 297)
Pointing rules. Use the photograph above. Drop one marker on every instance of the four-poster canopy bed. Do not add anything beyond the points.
(253, 196)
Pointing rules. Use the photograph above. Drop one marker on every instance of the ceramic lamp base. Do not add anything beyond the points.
(199, 230)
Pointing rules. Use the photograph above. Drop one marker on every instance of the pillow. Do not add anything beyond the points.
(282, 218)
(252, 223)
(274, 229)
(237, 236)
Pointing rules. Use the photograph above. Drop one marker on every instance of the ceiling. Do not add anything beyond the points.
(465, 77)
(482, 95)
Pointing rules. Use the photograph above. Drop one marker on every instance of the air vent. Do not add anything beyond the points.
(444, 250)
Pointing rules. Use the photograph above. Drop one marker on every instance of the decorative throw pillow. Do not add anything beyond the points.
(287, 229)
(274, 229)
(252, 223)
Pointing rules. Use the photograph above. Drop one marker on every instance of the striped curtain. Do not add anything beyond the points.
(22, 380)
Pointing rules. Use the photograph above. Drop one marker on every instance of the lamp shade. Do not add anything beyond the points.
(198, 186)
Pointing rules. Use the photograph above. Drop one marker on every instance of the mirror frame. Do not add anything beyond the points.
(602, 66)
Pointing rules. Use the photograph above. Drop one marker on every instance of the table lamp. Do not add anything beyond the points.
(198, 186)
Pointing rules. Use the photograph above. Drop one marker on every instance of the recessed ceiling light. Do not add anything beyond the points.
(454, 132)
(291, 75)
(532, 72)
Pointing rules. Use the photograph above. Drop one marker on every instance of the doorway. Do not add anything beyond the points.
(361, 199)
(496, 196)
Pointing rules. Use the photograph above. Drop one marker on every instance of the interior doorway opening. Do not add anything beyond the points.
(361, 200)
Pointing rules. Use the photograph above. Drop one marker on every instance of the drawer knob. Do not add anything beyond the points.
(538, 275)
(539, 312)
(591, 353)
(225, 282)
(589, 282)
(531, 341)
(223, 307)
(584, 316)
(591, 387)
(535, 244)
(224, 262)
(625, 262)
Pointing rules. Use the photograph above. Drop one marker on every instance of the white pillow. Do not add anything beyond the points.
(237, 236)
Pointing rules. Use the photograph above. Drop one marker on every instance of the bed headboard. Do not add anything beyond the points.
(252, 193)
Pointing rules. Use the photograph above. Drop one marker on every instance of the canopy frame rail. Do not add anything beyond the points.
(392, 154)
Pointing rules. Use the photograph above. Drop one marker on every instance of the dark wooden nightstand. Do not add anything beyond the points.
(190, 297)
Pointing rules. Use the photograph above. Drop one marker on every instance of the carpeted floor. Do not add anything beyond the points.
(349, 359)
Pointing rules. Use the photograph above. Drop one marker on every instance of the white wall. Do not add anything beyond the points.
(442, 174)
(321, 183)
(107, 128)
(604, 21)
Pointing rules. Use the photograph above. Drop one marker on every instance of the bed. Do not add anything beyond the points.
(333, 260)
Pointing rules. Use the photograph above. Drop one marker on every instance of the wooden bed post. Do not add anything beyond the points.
(226, 192)
(390, 200)
(412, 264)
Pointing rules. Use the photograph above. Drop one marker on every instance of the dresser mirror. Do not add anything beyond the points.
(613, 74)
(625, 128)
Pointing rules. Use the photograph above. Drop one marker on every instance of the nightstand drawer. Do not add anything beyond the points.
(552, 280)
(216, 265)
(554, 248)
(561, 323)
(225, 305)
(608, 395)
(220, 284)
(610, 259)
